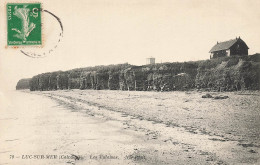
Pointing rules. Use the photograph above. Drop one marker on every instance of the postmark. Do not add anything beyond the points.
(49, 49)
(24, 24)
(25, 29)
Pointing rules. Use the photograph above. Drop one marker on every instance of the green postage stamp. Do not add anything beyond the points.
(24, 24)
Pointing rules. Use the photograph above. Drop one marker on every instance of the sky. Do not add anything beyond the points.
(103, 32)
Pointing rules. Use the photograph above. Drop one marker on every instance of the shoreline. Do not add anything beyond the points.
(214, 124)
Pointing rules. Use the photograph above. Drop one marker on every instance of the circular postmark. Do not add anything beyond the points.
(50, 48)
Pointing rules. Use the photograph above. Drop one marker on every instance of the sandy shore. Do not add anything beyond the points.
(121, 127)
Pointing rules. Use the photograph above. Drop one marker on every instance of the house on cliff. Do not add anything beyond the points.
(235, 47)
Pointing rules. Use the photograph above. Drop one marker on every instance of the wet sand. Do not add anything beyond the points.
(119, 127)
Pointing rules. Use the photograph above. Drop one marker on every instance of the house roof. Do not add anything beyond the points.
(224, 45)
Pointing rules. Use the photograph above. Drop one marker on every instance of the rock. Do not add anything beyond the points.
(207, 96)
(220, 97)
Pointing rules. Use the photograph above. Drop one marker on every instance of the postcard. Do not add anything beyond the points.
(129, 82)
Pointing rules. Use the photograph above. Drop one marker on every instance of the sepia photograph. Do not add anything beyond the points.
(130, 82)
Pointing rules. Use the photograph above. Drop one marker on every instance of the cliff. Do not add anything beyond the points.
(221, 74)
(23, 84)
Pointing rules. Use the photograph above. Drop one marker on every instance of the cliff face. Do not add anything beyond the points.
(23, 84)
(221, 74)
(229, 74)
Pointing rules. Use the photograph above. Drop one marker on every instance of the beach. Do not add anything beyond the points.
(129, 127)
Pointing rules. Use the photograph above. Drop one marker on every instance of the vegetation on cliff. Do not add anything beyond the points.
(220, 74)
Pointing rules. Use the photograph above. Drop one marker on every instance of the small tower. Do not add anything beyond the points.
(150, 60)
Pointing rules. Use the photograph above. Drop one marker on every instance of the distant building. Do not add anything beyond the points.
(150, 60)
(229, 48)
